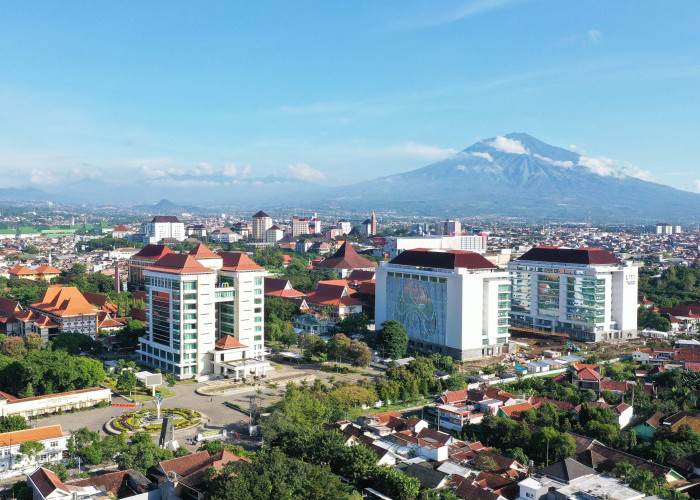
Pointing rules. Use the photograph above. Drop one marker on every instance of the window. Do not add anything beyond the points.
(257, 310)
(257, 301)
(258, 319)
(190, 346)
(189, 285)
(258, 337)
(258, 291)
(258, 281)
(258, 328)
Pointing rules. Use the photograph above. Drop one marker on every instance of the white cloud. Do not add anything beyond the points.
(230, 170)
(612, 168)
(461, 167)
(509, 146)
(203, 168)
(464, 11)
(45, 178)
(594, 35)
(304, 172)
(556, 163)
(696, 186)
(417, 150)
(485, 156)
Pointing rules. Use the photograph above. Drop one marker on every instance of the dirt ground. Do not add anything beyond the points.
(536, 347)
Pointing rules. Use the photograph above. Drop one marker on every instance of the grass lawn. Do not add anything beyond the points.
(140, 394)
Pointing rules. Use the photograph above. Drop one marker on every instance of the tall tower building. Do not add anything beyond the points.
(205, 315)
(587, 293)
(451, 302)
(261, 223)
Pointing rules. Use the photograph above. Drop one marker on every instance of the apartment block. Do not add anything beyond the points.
(451, 302)
(587, 293)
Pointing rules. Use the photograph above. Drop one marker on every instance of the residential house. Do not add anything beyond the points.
(569, 479)
(22, 272)
(11, 459)
(333, 298)
(46, 273)
(185, 477)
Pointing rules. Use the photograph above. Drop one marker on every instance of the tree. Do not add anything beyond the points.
(142, 454)
(338, 346)
(33, 342)
(13, 423)
(484, 462)
(91, 454)
(57, 468)
(31, 249)
(75, 343)
(274, 475)
(127, 381)
(78, 269)
(359, 353)
(13, 347)
(392, 339)
(31, 449)
(395, 484)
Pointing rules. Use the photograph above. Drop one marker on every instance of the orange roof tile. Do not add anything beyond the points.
(21, 270)
(179, 263)
(238, 261)
(64, 301)
(203, 252)
(47, 270)
(228, 342)
(17, 437)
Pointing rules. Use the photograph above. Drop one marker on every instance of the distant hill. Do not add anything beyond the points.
(24, 194)
(518, 175)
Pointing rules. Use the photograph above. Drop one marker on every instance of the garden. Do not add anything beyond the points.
(146, 420)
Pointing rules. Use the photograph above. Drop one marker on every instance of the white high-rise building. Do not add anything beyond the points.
(345, 226)
(451, 302)
(300, 226)
(164, 226)
(394, 245)
(448, 227)
(587, 293)
(261, 223)
(205, 315)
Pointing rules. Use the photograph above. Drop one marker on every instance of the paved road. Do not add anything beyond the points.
(219, 415)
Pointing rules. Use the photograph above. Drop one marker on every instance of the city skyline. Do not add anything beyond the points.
(189, 95)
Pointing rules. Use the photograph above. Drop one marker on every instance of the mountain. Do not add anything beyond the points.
(24, 194)
(518, 175)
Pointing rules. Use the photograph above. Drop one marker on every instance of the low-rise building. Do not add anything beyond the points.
(14, 462)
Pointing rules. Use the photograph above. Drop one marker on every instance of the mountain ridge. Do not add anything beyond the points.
(519, 175)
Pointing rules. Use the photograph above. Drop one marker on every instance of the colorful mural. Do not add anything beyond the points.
(420, 306)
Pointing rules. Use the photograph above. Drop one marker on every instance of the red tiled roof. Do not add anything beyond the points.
(47, 482)
(8, 306)
(179, 263)
(516, 408)
(21, 270)
(121, 228)
(38, 434)
(203, 252)
(588, 374)
(47, 270)
(153, 252)
(64, 301)
(346, 258)
(228, 342)
(181, 464)
(238, 261)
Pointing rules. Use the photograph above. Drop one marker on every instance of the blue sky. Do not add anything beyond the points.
(337, 92)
